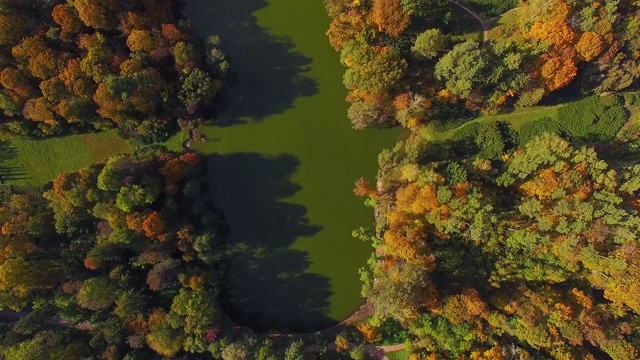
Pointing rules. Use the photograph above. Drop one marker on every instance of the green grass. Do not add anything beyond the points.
(595, 118)
(632, 128)
(103, 146)
(516, 119)
(508, 24)
(25, 161)
(519, 117)
(398, 355)
(589, 110)
(176, 141)
(36, 162)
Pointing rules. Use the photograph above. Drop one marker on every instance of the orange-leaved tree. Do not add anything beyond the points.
(589, 46)
(558, 71)
(342, 343)
(154, 225)
(389, 17)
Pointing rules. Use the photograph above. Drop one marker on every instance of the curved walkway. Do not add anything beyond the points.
(380, 351)
(373, 351)
(485, 23)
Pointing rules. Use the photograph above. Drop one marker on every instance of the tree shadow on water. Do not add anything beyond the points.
(268, 288)
(267, 74)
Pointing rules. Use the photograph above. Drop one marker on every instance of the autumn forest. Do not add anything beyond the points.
(503, 223)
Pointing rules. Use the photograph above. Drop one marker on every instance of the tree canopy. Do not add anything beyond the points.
(90, 65)
(143, 268)
(537, 254)
(390, 48)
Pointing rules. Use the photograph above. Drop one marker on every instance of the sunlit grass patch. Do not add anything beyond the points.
(38, 161)
(104, 145)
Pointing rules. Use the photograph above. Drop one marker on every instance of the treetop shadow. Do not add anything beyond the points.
(7, 173)
(268, 287)
(267, 75)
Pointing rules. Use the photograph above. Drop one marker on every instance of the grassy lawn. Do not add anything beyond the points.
(516, 119)
(35, 162)
(632, 127)
(507, 25)
(558, 113)
(519, 117)
(399, 355)
(175, 142)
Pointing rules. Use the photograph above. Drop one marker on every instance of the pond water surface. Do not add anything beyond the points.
(283, 160)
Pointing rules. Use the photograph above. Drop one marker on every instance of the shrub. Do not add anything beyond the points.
(464, 139)
(96, 294)
(362, 115)
(537, 127)
(456, 173)
(487, 140)
(392, 332)
(632, 98)
(491, 142)
(429, 43)
(596, 118)
(358, 353)
(530, 97)
(342, 344)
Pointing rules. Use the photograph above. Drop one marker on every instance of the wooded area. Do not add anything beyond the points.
(501, 239)
(90, 65)
(536, 251)
(506, 221)
(130, 248)
(412, 61)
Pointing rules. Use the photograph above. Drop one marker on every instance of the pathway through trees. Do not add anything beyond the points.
(485, 23)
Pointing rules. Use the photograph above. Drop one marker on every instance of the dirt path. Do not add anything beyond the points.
(378, 352)
(374, 352)
(53, 321)
(485, 23)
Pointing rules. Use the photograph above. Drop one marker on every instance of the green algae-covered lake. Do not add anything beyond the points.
(283, 160)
